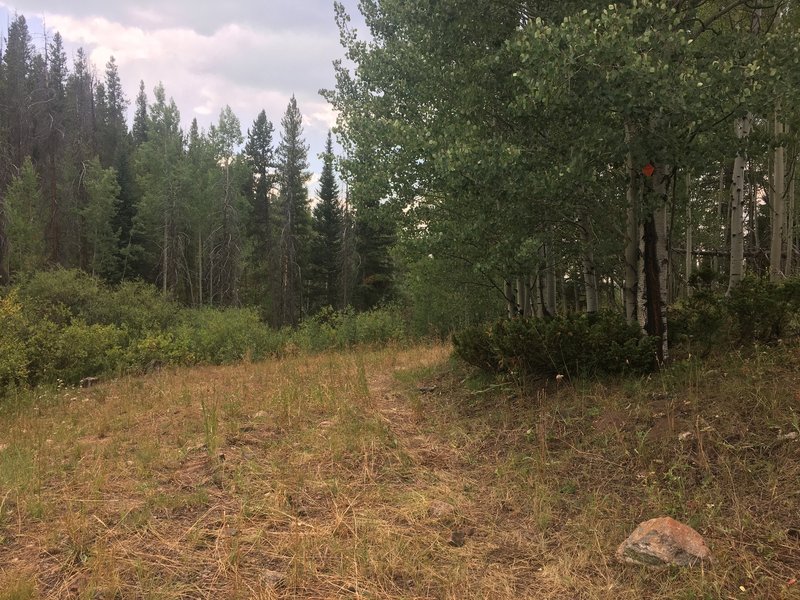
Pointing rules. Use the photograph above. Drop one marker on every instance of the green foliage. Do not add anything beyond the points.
(226, 336)
(64, 325)
(576, 345)
(13, 348)
(756, 311)
(343, 329)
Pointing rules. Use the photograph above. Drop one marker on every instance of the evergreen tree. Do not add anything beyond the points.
(374, 238)
(54, 149)
(139, 130)
(326, 246)
(260, 271)
(18, 64)
(295, 217)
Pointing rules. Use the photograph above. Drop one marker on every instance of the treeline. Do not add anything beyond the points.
(212, 217)
(580, 157)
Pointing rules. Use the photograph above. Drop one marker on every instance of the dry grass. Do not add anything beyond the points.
(314, 477)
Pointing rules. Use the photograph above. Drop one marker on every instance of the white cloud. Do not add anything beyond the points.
(250, 54)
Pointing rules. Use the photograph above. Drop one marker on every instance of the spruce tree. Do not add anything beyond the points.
(326, 246)
(139, 130)
(294, 213)
(260, 271)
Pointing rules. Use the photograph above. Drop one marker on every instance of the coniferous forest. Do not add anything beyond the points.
(220, 217)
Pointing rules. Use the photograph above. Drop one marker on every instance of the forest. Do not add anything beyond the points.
(632, 161)
(212, 218)
(533, 335)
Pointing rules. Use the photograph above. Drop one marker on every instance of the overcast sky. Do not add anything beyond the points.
(250, 54)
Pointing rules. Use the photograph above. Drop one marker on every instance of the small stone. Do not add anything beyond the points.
(272, 579)
(439, 510)
(686, 435)
(664, 542)
(457, 539)
(788, 437)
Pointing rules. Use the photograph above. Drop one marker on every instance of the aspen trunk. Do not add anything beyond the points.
(777, 203)
(589, 270)
(508, 290)
(539, 300)
(522, 296)
(631, 244)
(790, 228)
(736, 269)
(689, 240)
(165, 257)
(654, 281)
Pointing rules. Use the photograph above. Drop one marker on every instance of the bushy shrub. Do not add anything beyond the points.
(756, 310)
(226, 336)
(700, 321)
(14, 360)
(61, 295)
(571, 345)
(80, 350)
(343, 329)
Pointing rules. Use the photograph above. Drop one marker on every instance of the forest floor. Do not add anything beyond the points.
(395, 473)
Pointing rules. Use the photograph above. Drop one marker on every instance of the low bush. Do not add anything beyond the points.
(65, 325)
(575, 345)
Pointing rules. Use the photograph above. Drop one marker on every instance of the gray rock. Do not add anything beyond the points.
(664, 542)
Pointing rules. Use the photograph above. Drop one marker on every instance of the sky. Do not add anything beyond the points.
(249, 54)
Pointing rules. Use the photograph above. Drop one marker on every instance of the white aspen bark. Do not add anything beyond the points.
(589, 270)
(662, 254)
(790, 228)
(522, 296)
(509, 294)
(631, 244)
(166, 256)
(552, 292)
(539, 299)
(689, 240)
(777, 204)
(736, 269)
(200, 268)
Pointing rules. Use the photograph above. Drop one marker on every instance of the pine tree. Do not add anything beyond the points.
(18, 63)
(260, 269)
(295, 217)
(374, 238)
(54, 150)
(139, 130)
(326, 248)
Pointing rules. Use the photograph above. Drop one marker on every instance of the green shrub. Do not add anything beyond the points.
(156, 349)
(573, 345)
(14, 351)
(61, 295)
(226, 336)
(80, 350)
(700, 321)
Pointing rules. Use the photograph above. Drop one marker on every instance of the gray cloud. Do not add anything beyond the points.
(250, 54)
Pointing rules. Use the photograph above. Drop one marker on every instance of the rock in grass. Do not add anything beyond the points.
(439, 510)
(664, 542)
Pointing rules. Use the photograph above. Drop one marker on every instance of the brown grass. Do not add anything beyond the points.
(314, 477)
